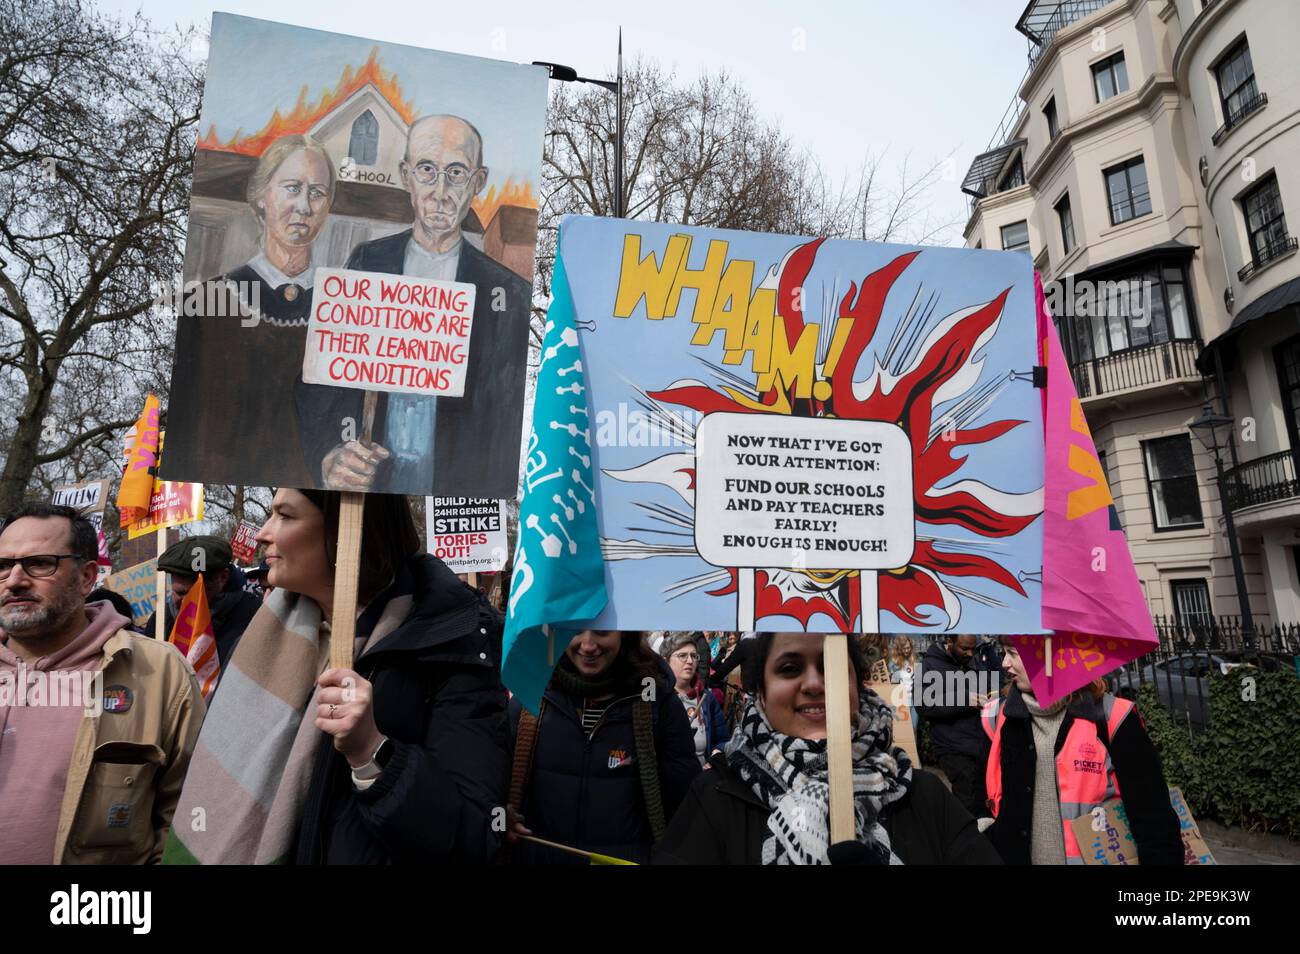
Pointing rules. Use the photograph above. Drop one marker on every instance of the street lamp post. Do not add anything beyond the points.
(1207, 429)
(567, 74)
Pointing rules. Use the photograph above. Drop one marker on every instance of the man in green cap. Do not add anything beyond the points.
(231, 606)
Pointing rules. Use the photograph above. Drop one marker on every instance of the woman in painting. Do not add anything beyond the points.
(233, 388)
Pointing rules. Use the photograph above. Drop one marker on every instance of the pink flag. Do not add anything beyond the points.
(1091, 597)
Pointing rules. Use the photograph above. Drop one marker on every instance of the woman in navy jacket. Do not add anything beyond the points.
(608, 758)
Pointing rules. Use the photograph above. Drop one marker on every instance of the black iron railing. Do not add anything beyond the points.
(1193, 651)
(1269, 253)
(1256, 102)
(1137, 368)
(1263, 480)
(1067, 12)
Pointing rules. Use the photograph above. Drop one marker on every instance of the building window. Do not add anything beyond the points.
(1015, 237)
(1192, 611)
(1015, 176)
(1110, 77)
(1066, 218)
(1287, 358)
(1237, 91)
(364, 146)
(1265, 221)
(1126, 185)
(1171, 481)
(1049, 113)
(1131, 310)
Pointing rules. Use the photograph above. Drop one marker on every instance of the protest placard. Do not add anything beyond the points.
(770, 432)
(390, 333)
(138, 584)
(1105, 837)
(405, 272)
(467, 533)
(243, 545)
(896, 694)
(172, 503)
(88, 498)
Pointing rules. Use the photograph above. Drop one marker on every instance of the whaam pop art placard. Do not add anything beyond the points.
(359, 266)
(798, 434)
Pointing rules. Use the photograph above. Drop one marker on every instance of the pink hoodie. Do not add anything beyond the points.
(37, 736)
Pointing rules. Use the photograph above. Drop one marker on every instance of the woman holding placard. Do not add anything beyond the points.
(1047, 765)
(767, 801)
(401, 759)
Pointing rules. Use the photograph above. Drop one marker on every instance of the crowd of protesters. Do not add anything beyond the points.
(671, 747)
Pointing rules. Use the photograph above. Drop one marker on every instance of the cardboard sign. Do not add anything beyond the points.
(243, 545)
(1105, 837)
(896, 694)
(88, 498)
(406, 248)
(391, 333)
(467, 533)
(172, 504)
(139, 585)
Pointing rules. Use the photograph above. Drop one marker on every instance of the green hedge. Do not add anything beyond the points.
(1244, 769)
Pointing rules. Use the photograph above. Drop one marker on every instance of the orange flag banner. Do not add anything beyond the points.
(194, 636)
(141, 466)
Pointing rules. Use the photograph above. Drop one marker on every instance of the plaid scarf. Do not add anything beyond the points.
(790, 775)
(249, 776)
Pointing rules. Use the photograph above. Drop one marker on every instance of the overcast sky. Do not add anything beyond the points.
(843, 78)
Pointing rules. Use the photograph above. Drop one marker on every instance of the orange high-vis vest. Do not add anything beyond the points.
(1084, 773)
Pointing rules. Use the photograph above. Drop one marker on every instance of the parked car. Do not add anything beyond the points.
(1182, 682)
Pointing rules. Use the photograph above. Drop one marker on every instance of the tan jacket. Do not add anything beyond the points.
(129, 761)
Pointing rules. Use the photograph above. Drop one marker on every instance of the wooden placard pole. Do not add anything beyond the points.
(160, 611)
(347, 561)
(839, 736)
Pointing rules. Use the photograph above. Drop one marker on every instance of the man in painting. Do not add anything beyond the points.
(475, 437)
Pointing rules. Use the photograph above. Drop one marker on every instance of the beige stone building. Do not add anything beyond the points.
(1153, 147)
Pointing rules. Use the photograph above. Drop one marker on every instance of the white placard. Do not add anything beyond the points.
(803, 493)
(467, 533)
(395, 333)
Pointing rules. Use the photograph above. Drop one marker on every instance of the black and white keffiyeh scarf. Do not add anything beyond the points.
(791, 776)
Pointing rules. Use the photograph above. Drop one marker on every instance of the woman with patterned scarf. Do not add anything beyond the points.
(604, 763)
(768, 800)
(397, 760)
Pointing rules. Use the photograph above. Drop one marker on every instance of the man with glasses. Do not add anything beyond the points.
(97, 724)
(470, 436)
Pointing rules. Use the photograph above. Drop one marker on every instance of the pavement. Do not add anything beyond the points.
(1234, 846)
(1229, 845)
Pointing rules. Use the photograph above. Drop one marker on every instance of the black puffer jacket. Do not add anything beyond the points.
(586, 793)
(722, 822)
(1137, 769)
(954, 725)
(438, 696)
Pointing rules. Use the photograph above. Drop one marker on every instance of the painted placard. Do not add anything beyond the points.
(326, 161)
(87, 498)
(790, 433)
(467, 533)
(391, 333)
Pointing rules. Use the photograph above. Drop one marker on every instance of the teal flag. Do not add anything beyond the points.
(559, 575)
